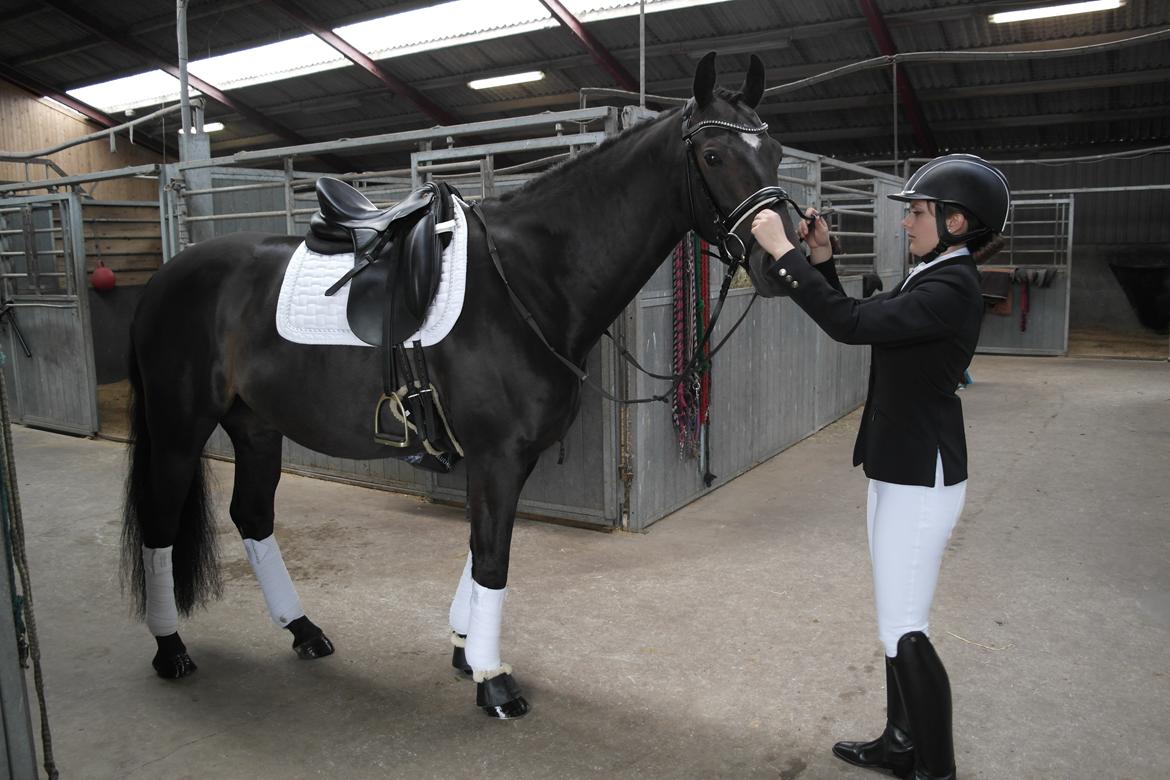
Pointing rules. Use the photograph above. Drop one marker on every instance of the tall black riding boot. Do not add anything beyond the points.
(926, 692)
(893, 750)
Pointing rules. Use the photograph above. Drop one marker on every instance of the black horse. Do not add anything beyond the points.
(576, 244)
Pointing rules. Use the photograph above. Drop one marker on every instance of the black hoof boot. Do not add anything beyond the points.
(500, 697)
(459, 657)
(309, 642)
(892, 751)
(171, 662)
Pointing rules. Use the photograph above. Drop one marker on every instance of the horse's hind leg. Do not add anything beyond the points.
(175, 536)
(258, 453)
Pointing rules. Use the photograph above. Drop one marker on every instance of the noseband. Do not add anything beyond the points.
(733, 251)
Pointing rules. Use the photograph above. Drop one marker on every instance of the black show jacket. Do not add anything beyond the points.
(923, 338)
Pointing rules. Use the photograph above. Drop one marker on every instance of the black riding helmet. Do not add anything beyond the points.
(967, 182)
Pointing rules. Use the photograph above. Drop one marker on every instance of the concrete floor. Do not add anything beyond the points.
(735, 640)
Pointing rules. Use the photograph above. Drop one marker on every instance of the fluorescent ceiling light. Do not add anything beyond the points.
(423, 29)
(210, 127)
(1048, 11)
(503, 81)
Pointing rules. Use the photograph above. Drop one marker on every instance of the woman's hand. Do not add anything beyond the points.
(817, 239)
(769, 232)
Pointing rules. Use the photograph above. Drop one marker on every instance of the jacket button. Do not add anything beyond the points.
(783, 272)
(795, 284)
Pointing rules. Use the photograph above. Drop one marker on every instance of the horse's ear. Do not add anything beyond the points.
(705, 79)
(753, 83)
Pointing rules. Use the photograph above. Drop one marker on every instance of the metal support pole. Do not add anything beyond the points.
(642, 53)
(894, 83)
(184, 95)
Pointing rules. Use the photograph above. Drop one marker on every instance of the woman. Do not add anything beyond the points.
(911, 441)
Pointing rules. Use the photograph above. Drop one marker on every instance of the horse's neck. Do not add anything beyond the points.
(614, 220)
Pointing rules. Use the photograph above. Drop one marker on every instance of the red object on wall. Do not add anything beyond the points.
(102, 278)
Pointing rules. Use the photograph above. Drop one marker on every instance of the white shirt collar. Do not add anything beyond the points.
(923, 266)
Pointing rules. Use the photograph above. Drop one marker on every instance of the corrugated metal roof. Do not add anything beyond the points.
(1114, 98)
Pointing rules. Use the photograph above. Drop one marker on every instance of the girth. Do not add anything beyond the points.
(396, 273)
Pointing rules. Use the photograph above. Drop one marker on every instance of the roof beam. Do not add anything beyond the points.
(393, 83)
(600, 54)
(134, 47)
(902, 85)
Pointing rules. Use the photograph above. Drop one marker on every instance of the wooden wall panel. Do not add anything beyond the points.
(28, 123)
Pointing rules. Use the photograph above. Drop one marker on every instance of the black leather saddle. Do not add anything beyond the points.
(398, 263)
(397, 255)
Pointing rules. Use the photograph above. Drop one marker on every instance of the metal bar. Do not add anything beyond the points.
(26, 156)
(248, 215)
(511, 146)
(82, 178)
(1070, 190)
(828, 185)
(267, 185)
(407, 137)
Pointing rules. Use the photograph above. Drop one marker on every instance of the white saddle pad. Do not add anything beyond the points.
(306, 316)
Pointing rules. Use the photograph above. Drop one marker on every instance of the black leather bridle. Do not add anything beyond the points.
(732, 249)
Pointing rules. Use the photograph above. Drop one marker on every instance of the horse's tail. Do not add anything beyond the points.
(196, 572)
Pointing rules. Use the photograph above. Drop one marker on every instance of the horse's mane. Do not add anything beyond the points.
(558, 173)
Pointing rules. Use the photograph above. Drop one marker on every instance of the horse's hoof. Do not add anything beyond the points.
(500, 698)
(459, 662)
(517, 708)
(173, 667)
(315, 647)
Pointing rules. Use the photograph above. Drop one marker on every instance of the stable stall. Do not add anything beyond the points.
(778, 380)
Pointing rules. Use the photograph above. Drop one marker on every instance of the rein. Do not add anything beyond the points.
(733, 259)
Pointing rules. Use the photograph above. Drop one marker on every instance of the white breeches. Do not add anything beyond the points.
(162, 615)
(909, 527)
(478, 612)
(267, 564)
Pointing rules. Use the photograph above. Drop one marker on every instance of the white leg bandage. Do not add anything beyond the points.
(162, 616)
(283, 604)
(460, 615)
(483, 635)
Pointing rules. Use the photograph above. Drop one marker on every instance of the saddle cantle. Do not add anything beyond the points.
(396, 273)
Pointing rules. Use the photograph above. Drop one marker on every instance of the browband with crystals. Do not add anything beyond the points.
(758, 130)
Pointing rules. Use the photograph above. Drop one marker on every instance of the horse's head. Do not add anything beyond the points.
(732, 170)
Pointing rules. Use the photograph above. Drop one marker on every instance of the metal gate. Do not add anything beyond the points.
(46, 339)
(1039, 239)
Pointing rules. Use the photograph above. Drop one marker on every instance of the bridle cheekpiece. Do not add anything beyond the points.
(733, 251)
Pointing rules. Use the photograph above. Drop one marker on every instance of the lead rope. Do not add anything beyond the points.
(14, 541)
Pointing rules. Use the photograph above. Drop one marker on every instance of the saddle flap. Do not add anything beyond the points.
(422, 267)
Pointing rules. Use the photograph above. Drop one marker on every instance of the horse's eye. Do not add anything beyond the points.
(712, 158)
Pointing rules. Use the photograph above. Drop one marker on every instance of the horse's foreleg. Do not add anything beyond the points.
(493, 488)
(258, 453)
(460, 620)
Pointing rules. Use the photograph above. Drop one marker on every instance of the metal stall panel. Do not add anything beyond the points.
(1039, 240)
(778, 380)
(46, 304)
